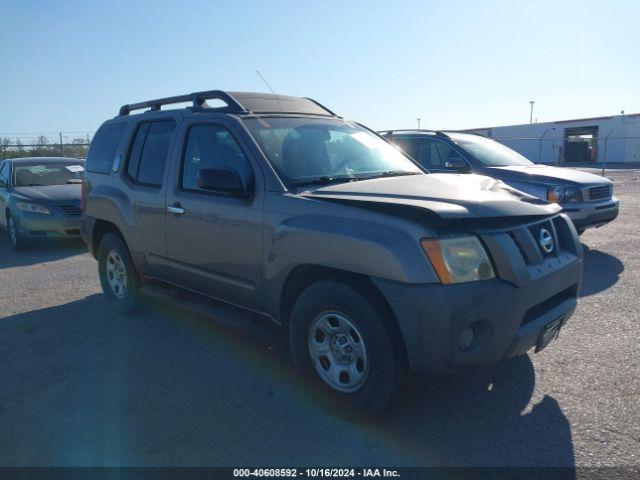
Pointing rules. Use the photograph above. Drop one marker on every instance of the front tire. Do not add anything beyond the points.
(18, 242)
(339, 340)
(118, 277)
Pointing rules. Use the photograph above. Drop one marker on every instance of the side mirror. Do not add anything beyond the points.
(458, 164)
(224, 180)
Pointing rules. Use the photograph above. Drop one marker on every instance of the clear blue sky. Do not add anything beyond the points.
(68, 65)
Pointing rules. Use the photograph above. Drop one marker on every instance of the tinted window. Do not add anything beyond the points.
(136, 150)
(149, 152)
(429, 153)
(211, 146)
(4, 173)
(441, 153)
(410, 146)
(103, 148)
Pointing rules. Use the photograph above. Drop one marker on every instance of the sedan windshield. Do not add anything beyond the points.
(307, 151)
(45, 174)
(488, 152)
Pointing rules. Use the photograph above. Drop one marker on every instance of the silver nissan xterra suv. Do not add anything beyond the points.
(275, 207)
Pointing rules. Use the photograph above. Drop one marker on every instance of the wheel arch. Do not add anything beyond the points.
(305, 275)
(100, 229)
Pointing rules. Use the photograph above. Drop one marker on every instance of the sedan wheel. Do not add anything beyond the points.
(13, 234)
(18, 242)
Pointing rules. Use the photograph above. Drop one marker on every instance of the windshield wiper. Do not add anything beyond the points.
(324, 180)
(390, 173)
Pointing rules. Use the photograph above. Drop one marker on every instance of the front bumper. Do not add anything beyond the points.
(35, 225)
(506, 314)
(592, 214)
(432, 317)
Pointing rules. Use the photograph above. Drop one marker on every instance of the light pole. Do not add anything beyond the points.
(531, 113)
(418, 123)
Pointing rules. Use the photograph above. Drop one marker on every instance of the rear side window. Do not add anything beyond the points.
(410, 146)
(149, 152)
(103, 148)
(429, 153)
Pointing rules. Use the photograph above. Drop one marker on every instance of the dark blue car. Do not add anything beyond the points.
(586, 198)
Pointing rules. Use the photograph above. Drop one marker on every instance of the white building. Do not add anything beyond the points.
(614, 140)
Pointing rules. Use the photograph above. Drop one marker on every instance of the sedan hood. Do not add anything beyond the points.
(548, 175)
(51, 193)
(447, 195)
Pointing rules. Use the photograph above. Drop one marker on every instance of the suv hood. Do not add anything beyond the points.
(51, 193)
(447, 195)
(548, 175)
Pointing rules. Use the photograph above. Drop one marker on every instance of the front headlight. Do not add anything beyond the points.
(564, 195)
(459, 259)
(33, 208)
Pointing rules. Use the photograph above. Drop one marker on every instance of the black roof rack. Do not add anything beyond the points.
(412, 130)
(237, 102)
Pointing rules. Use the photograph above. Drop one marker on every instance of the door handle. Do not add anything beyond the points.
(176, 209)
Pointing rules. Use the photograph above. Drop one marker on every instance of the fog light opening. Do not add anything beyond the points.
(465, 340)
(474, 336)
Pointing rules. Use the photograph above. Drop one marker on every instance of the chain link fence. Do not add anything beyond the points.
(48, 144)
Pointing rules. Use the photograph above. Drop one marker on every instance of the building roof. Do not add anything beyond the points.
(586, 119)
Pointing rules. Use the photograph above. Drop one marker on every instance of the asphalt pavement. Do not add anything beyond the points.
(80, 385)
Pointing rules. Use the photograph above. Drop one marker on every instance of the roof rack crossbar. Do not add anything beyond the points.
(153, 104)
(402, 130)
(197, 98)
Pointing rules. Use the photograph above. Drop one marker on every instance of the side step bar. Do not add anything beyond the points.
(224, 314)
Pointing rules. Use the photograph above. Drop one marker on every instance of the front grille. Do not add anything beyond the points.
(549, 304)
(71, 210)
(530, 240)
(603, 192)
(518, 255)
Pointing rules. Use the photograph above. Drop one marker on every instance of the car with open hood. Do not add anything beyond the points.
(586, 198)
(40, 198)
(275, 208)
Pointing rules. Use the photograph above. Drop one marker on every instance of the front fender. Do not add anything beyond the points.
(356, 246)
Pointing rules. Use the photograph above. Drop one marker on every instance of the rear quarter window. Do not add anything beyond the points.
(103, 148)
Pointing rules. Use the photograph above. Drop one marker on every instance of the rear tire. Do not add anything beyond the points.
(118, 277)
(339, 341)
(17, 240)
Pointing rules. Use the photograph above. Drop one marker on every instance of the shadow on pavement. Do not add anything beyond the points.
(481, 419)
(84, 386)
(39, 252)
(601, 271)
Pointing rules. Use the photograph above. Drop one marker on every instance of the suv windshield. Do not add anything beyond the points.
(488, 152)
(313, 151)
(45, 174)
